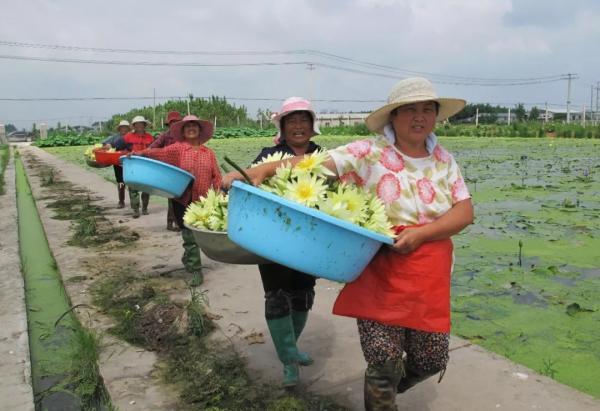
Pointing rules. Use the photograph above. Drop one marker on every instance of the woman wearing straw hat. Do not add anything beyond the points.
(190, 154)
(289, 294)
(116, 141)
(138, 140)
(163, 140)
(402, 299)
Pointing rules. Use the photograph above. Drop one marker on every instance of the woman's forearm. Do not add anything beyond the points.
(452, 222)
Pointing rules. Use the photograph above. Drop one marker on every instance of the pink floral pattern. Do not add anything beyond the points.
(441, 154)
(460, 191)
(413, 190)
(392, 160)
(426, 190)
(352, 178)
(388, 188)
(360, 148)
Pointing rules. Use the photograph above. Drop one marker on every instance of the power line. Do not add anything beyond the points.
(393, 72)
(53, 99)
(235, 98)
(149, 63)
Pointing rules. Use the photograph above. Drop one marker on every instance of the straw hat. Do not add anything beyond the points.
(139, 119)
(172, 116)
(412, 90)
(289, 106)
(123, 123)
(206, 128)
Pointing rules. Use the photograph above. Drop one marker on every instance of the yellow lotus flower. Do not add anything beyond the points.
(306, 189)
(347, 203)
(209, 212)
(277, 156)
(313, 164)
(377, 219)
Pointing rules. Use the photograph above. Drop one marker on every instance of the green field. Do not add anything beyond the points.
(542, 309)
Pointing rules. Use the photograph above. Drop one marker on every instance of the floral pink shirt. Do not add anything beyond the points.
(414, 190)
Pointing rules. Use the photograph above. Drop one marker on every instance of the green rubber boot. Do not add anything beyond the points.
(191, 255)
(284, 339)
(299, 319)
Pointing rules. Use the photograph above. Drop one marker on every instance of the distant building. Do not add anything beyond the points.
(340, 119)
(561, 114)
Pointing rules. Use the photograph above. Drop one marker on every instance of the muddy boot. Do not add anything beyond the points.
(191, 256)
(413, 377)
(380, 385)
(145, 201)
(299, 320)
(302, 302)
(197, 279)
(134, 201)
(282, 333)
(170, 216)
(121, 188)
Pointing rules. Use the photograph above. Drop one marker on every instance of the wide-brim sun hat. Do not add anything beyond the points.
(139, 119)
(289, 106)
(408, 91)
(172, 116)
(123, 123)
(206, 128)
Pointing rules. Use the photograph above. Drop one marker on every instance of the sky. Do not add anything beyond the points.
(459, 44)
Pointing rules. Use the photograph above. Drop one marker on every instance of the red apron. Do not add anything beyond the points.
(407, 290)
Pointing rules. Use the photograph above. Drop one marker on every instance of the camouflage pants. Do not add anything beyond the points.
(388, 373)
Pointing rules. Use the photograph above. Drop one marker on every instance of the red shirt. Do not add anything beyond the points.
(163, 140)
(137, 142)
(199, 161)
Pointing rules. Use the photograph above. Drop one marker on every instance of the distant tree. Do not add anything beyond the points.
(470, 110)
(9, 128)
(227, 114)
(534, 113)
(520, 112)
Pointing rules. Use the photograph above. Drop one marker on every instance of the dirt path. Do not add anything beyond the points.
(475, 380)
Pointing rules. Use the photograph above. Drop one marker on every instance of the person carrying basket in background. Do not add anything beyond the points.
(190, 154)
(165, 139)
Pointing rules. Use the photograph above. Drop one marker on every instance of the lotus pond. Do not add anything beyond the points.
(526, 282)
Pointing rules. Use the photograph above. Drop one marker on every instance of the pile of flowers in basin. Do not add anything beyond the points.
(307, 183)
(89, 152)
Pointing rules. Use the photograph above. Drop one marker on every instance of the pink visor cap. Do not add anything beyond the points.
(289, 106)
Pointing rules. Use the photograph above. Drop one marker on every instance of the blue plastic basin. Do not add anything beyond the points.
(299, 237)
(155, 177)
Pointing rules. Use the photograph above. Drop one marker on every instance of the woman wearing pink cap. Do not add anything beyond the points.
(190, 154)
(289, 294)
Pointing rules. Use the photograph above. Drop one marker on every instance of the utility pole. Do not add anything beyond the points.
(153, 107)
(508, 119)
(190, 98)
(546, 115)
(477, 117)
(592, 104)
(583, 118)
(569, 77)
(597, 89)
(311, 68)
